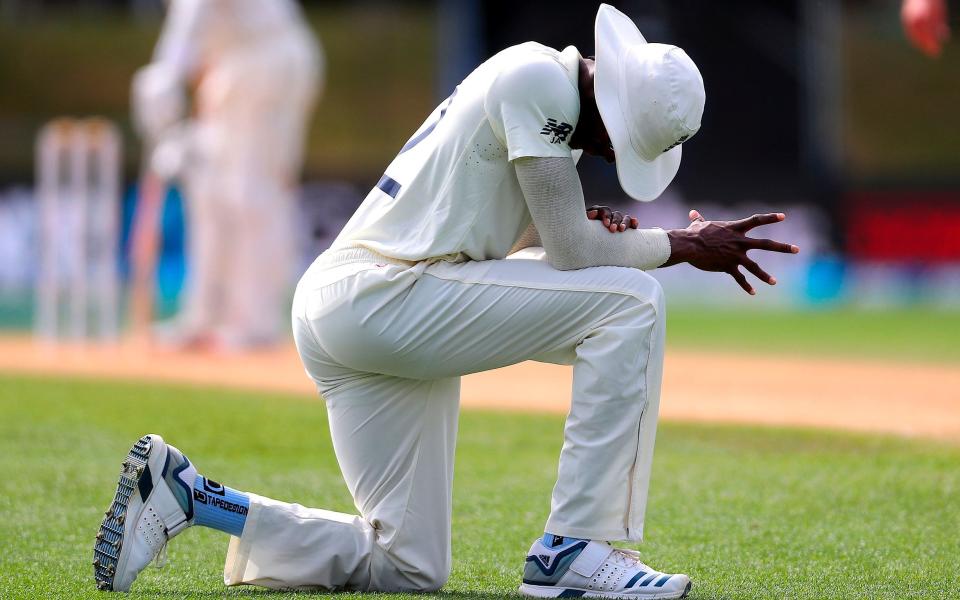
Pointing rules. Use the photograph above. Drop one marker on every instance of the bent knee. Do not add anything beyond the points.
(424, 578)
(432, 580)
(643, 287)
(411, 573)
(429, 574)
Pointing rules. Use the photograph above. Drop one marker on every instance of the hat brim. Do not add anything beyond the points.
(641, 179)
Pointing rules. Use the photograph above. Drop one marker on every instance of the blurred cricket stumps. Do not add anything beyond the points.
(78, 191)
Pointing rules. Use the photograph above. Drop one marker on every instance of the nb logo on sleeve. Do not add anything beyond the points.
(558, 132)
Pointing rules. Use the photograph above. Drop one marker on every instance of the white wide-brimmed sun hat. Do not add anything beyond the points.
(650, 98)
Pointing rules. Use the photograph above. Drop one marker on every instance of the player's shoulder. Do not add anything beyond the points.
(532, 69)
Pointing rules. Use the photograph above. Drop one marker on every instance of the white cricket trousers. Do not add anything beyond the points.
(386, 343)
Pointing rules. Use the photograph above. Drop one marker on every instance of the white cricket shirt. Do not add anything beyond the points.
(452, 193)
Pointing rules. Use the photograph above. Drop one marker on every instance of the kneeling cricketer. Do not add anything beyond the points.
(475, 251)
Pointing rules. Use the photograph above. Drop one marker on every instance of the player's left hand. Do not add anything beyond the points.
(722, 246)
(614, 220)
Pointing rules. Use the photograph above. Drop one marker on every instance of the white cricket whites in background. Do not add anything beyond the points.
(439, 274)
(78, 202)
(255, 70)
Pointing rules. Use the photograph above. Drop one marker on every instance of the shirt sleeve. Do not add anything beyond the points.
(554, 197)
(533, 108)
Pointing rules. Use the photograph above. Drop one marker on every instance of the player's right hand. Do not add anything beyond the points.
(614, 220)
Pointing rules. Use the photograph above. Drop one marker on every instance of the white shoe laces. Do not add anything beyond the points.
(160, 560)
(629, 558)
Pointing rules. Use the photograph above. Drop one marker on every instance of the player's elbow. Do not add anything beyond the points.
(564, 261)
(565, 249)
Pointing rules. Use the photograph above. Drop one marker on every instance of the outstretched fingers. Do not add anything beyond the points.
(740, 278)
(758, 272)
(758, 220)
(772, 246)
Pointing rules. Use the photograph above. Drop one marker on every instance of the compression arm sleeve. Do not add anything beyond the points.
(551, 187)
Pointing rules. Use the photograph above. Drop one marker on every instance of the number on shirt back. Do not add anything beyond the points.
(390, 186)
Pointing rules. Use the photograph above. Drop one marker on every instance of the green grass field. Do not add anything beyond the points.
(747, 512)
(912, 334)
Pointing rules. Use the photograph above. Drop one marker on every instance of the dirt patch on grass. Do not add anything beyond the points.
(878, 396)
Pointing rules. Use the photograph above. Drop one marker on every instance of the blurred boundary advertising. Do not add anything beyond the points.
(888, 221)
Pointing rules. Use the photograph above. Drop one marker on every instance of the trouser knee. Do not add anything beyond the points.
(646, 290)
(640, 300)
(633, 326)
(400, 574)
(432, 577)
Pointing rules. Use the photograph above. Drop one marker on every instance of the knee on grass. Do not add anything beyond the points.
(421, 575)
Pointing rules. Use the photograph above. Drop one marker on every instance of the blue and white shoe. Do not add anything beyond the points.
(595, 570)
(152, 504)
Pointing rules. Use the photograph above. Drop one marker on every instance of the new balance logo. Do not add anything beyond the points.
(676, 143)
(557, 131)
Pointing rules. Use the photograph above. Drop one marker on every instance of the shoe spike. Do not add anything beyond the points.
(103, 585)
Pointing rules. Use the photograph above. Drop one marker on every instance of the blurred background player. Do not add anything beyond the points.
(925, 23)
(255, 70)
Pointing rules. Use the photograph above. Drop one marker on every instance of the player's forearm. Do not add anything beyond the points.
(552, 189)
(643, 249)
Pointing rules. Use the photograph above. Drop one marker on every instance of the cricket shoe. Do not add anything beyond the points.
(148, 510)
(595, 570)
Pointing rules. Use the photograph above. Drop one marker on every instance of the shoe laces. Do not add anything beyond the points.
(160, 560)
(629, 558)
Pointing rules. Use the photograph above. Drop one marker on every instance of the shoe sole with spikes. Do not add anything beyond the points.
(145, 513)
(109, 540)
